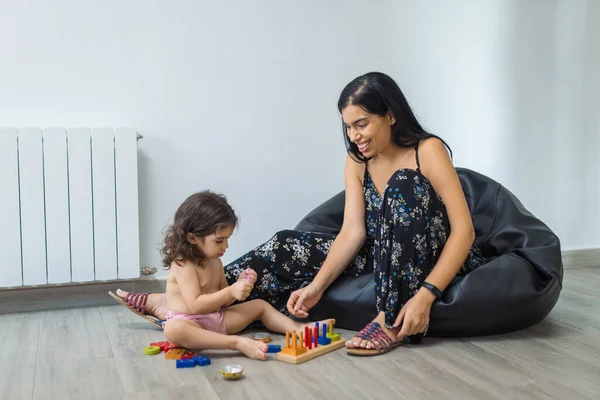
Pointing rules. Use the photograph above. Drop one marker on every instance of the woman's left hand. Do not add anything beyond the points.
(414, 316)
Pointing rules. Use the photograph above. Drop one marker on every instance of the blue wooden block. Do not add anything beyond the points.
(201, 360)
(274, 348)
(186, 364)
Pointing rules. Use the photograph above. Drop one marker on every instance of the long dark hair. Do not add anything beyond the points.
(377, 93)
(201, 214)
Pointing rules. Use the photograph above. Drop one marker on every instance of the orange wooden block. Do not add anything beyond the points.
(174, 354)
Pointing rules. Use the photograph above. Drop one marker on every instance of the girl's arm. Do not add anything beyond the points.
(352, 234)
(189, 287)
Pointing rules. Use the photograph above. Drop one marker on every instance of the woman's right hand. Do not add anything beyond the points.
(303, 300)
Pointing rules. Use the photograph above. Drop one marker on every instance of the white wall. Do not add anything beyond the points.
(514, 87)
(240, 96)
(237, 96)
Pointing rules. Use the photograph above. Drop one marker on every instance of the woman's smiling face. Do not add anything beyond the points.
(372, 133)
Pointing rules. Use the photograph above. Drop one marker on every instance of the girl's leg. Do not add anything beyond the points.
(191, 335)
(238, 317)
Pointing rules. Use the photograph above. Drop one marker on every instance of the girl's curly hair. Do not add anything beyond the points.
(201, 214)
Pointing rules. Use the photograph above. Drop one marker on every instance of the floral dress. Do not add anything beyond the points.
(406, 226)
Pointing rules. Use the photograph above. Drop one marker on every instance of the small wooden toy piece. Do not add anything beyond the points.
(174, 354)
(331, 335)
(323, 339)
(168, 346)
(151, 350)
(188, 355)
(185, 364)
(295, 353)
(201, 360)
(274, 348)
(161, 345)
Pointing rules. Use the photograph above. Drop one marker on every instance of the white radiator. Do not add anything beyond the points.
(68, 205)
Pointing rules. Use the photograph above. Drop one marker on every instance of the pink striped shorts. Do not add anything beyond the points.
(214, 322)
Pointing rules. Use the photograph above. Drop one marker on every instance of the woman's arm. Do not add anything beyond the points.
(343, 249)
(438, 168)
(352, 234)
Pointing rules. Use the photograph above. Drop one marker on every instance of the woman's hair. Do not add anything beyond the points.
(377, 93)
(201, 214)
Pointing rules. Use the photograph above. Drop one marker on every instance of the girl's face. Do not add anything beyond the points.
(372, 133)
(215, 245)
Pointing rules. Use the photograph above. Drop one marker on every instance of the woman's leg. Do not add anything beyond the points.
(286, 262)
(191, 335)
(412, 230)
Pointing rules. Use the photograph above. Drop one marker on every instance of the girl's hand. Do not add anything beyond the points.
(241, 290)
(248, 272)
(414, 316)
(303, 300)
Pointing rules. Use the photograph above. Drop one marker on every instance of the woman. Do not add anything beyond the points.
(405, 218)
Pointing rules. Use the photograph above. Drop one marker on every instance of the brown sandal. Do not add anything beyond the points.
(136, 302)
(377, 337)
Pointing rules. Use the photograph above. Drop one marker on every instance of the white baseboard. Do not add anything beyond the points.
(581, 258)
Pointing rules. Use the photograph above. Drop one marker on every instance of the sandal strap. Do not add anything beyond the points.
(137, 301)
(378, 338)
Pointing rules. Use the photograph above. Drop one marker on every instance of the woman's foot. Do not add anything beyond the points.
(358, 343)
(252, 348)
(156, 304)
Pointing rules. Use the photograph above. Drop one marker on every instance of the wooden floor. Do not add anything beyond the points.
(96, 353)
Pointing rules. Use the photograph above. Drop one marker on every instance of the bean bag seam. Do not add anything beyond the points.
(495, 214)
(462, 307)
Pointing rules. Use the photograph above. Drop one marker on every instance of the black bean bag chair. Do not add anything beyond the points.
(516, 288)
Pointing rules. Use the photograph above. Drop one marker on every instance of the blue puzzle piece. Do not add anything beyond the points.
(201, 360)
(186, 364)
(274, 348)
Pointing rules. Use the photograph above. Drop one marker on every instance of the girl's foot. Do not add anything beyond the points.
(156, 304)
(252, 348)
(358, 343)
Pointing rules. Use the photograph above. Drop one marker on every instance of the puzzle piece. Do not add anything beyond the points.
(188, 355)
(169, 346)
(174, 354)
(185, 364)
(201, 360)
(160, 345)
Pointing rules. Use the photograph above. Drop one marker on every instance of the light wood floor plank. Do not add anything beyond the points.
(128, 335)
(96, 352)
(72, 335)
(19, 339)
(78, 379)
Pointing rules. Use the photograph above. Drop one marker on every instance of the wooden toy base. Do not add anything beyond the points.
(310, 354)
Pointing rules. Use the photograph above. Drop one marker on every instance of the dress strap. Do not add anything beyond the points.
(417, 156)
